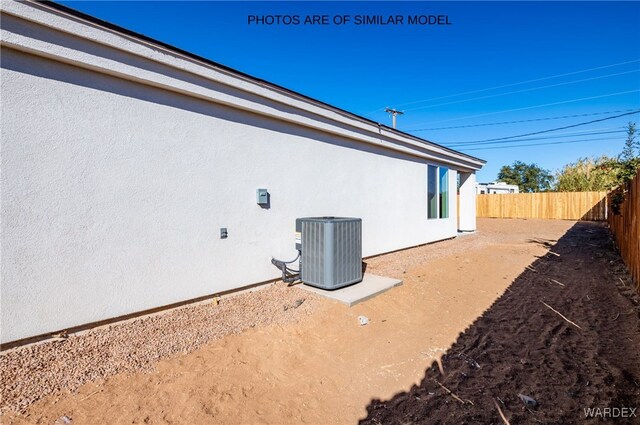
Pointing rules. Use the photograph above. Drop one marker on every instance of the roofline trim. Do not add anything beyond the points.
(441, 152)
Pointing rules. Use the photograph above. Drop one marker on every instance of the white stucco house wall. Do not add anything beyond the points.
(123, 157)
(496, 188)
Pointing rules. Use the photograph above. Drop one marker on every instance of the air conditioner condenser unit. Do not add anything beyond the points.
(330, 251)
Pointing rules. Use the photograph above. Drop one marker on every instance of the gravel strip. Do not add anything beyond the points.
(32, 372)
(397, 263)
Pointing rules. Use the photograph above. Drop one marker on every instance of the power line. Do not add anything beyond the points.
(548, 130)
(521, 121)
(540, 144)
(521, 91)
(562, 136)
(509, 85)
(521, 82)
(539, 106)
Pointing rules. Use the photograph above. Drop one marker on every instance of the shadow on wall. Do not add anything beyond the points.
(521, 346)
(598, 212)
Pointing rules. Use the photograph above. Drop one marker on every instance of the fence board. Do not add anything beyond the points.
(590, 206)
(626, 229)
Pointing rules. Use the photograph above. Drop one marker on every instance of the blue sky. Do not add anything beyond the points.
(497, 62)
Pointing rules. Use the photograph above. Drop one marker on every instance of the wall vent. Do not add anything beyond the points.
(331, 251)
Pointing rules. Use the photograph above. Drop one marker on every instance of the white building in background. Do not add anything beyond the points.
(496, 187)
(123, 159)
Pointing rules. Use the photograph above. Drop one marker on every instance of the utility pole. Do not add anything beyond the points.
(394, 113)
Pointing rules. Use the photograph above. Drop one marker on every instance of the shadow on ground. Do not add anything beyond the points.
(520, 345)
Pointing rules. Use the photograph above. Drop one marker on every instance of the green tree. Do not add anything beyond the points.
(528, 177)
(630, 145)
(604, 173)
(587, 174)
(626, 165)
(630, 156)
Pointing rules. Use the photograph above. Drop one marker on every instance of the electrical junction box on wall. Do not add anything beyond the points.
(330, 251)
(262, 196)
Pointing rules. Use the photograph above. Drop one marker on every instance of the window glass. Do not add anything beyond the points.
(432, 189)
(444, 192)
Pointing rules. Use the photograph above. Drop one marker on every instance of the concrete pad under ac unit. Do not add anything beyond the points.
(370, 286)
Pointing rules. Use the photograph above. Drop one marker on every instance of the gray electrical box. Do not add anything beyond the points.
(330, 251)
(262, 196)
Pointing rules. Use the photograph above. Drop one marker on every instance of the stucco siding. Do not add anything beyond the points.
(114, 193)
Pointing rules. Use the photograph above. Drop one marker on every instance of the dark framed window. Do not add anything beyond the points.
(443, 191)
(437, 192)
(432, 191)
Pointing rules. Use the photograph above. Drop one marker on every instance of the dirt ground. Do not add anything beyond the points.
(469, 317)
(588, 359)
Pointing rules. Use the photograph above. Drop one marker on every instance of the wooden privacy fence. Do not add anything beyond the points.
(590, 206)
(626, 229)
